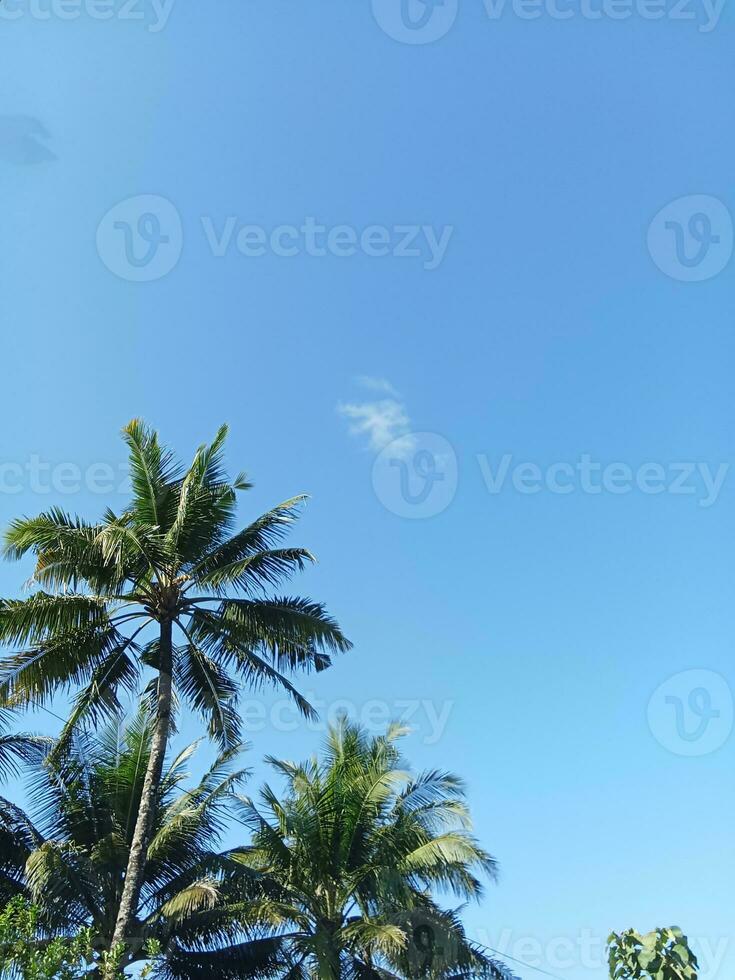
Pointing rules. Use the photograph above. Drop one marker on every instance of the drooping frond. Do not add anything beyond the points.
(28, 621)
(18, 749)
(63, 660)
(256, 959)
(68, 552)
(195, 897)
(209, 689)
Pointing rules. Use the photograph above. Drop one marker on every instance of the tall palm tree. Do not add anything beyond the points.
(68, 856)
(358, 849)
(169, 561)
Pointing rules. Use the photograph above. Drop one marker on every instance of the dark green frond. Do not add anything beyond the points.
(258, 959)
(262, 535)
(62, 661)
(28, 621)
(208, 688)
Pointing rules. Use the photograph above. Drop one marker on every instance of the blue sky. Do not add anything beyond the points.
(524, 621)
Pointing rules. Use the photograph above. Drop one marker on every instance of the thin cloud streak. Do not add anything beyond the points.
(382, 422)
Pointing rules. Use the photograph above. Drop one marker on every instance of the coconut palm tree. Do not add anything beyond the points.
(171, 562)
(68, 856)
(358, 849)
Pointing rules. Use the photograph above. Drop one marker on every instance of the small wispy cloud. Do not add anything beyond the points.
(381, 422)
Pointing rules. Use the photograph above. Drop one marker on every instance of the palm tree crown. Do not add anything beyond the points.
(358, 848)
(170, 558)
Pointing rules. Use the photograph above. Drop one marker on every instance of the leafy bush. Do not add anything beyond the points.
(663, 954)
(24, 955)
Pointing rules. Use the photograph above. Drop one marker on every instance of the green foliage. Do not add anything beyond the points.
(172, 556)
(663, 954)
(350, 857)
(69, 855)
(172, 560)
(24, 955)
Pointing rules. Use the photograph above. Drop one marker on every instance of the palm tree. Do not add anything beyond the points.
(70, 855)
(169, 561)
(356, 850)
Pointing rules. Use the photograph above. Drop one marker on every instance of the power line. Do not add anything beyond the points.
(37, 704)
(527, 966)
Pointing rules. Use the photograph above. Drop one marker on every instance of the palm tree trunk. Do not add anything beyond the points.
(144, 823)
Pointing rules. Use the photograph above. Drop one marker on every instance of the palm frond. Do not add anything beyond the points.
(262, 535)
(197, 896)
(208, 688)
(153, 474)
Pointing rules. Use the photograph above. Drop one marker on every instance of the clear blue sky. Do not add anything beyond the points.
(546, 332)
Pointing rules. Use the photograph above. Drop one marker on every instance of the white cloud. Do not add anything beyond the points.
(383, 422)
